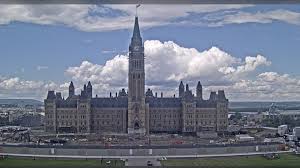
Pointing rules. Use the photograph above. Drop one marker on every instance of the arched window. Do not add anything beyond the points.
(136, 125)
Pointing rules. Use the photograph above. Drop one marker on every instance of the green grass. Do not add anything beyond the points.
(50, 163)
(285, 161)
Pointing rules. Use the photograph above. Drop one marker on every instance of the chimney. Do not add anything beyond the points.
(161, 94)
(155, 94)
(109, 94)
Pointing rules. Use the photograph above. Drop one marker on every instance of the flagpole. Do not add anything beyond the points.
(138, 5)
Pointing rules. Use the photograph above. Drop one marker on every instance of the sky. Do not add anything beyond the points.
(250, 51)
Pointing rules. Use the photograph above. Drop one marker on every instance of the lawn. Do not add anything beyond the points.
(285, 161)
(50, 163)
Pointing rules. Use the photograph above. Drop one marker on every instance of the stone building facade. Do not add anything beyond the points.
(136, 111)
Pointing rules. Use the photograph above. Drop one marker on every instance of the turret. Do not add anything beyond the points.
(187, 87)
(51, 95)
(199, 91)
(149, 93)
(221, 95)
(188, 93)
(181, 89)
(71, 89)
(122, 93)
(89, 90)
(213, 96)
(58, 95)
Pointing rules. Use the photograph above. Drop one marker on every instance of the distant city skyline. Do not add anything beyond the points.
(250, 51)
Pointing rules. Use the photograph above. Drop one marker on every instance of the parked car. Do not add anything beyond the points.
(161, 159)
(149, 163)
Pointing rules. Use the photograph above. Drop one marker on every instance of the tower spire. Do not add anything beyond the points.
(136, 30)
(136, 84)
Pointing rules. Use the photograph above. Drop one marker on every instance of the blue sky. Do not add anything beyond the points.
(41, 47)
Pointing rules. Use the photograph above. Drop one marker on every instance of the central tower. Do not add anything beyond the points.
(136, 84)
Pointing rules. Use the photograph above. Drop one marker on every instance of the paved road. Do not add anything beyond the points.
(142, 162)
(135, 146)
(141, 156)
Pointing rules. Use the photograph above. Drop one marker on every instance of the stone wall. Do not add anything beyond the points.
(140, 152)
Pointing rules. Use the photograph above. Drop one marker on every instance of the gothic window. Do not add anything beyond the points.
(136, 125)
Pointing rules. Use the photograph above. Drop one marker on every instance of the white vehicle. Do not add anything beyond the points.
(296, 132)
(162, 158)
(282, 129)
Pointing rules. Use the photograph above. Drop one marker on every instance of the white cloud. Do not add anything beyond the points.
(240, 17)
(166, 65)
(108, 51)
(15, 87)
(168, 62)
(266, 86)
(102, 18)
(115, 17)
(41, 67)
(250, 65)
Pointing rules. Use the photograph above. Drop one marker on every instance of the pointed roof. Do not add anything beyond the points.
(136, 39)
(136, 29)
(89, 84)
(199, 84)
(71, 84)
(181, 84)
(187, 87)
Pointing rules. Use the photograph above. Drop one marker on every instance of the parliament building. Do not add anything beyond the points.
(137, 111)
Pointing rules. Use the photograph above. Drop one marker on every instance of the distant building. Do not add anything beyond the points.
(4, 120)
(136, 112)
(292, 114)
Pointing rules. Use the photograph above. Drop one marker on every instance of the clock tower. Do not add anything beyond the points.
(136, 84)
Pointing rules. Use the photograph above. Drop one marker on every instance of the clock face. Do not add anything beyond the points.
(136, 47)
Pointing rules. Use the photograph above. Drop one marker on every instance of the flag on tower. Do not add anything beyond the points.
(138, 5)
